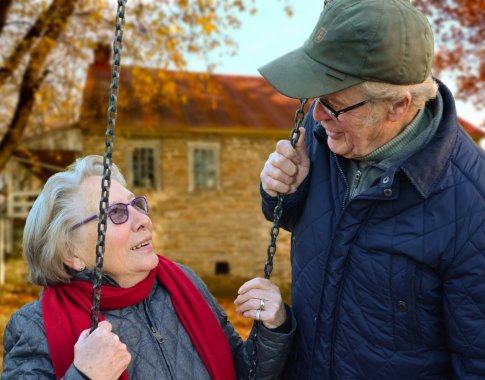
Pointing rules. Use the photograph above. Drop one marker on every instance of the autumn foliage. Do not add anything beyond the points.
(459, 27)
(46, 45)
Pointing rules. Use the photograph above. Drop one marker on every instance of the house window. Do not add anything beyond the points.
(142, 162)
(143, 167)
(203, 166)
(205, 174)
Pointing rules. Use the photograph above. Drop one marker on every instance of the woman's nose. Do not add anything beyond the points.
(141, 220)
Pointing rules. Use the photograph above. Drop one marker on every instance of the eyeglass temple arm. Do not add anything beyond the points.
(84, 222)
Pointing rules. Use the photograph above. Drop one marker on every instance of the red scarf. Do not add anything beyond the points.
(66, 313)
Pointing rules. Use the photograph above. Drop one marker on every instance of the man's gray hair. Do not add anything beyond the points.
(47, 233)
(421, 92)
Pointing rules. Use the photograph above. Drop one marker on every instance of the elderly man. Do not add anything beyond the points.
(385, 201)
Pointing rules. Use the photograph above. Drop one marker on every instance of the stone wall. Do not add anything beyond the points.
(202, 228)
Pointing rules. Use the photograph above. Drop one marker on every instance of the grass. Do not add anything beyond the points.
(18, 292)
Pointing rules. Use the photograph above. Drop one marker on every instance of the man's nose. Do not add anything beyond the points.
(320, 114)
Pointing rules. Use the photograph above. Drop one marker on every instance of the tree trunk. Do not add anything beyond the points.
(34, 75)
(4, 7)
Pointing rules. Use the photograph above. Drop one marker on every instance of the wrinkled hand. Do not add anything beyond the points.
(101, 354)
(249, 301)
(286, 168)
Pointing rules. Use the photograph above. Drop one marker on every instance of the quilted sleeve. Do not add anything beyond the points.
(25, 349)
(464, 306)
(273, 350)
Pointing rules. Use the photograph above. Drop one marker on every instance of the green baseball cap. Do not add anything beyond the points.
(354, 41)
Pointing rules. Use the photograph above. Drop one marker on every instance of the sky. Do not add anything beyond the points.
(267, 35)
(270, 33)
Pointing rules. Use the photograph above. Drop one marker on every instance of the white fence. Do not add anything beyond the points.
(19, 203)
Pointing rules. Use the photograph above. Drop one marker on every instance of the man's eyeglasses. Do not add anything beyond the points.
(334, 113)
(118, 212)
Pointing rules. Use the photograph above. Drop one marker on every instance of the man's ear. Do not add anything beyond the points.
(399, 109)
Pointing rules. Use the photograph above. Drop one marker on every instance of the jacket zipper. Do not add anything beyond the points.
(347, 187)
(355, 188)
(158, 337)
(358, 175)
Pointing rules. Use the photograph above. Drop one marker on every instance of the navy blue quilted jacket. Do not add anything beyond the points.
(390, 285)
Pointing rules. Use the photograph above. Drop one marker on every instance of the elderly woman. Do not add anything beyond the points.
(158, 320)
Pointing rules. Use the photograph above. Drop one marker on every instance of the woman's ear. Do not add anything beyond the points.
(74, 262)
(399, 109)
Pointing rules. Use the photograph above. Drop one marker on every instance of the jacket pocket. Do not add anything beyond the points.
(403, 296)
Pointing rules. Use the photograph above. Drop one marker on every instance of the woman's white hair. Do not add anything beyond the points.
(47, 233)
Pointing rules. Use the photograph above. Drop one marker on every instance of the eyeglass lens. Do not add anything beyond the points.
(118, 213)
(334, 113)
(328, 109)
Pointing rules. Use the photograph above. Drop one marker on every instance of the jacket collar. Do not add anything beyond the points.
(426, 167)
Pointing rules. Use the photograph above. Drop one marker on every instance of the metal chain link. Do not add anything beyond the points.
(107, 162)
(274, 232)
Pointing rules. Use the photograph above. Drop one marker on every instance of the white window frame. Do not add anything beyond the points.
(216, 148)
(147, 144)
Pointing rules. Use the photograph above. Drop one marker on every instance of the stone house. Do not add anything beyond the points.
(197, 160)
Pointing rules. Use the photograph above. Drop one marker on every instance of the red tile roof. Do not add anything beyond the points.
(474, 132)
(222, 103)
(206, 103)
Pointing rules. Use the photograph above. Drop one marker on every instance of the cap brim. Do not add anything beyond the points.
(298, 76)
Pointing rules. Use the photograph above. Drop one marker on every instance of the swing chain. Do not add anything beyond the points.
(107, 162)
(278, 210)
(274, 232)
